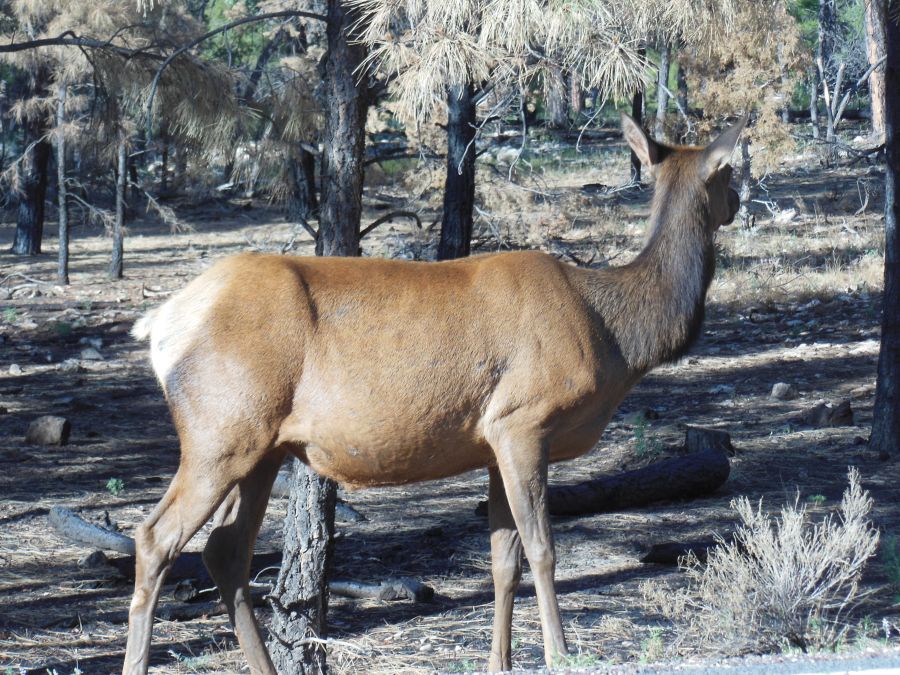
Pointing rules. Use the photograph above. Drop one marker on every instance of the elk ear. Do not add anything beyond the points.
(644, 147)
(717, 153)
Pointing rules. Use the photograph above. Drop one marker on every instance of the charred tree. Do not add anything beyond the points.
(116, 263)
(304, 204)
(300, 600)
(33, 177)
(886, 423)
(347, 103)
(62, 268)
(459, 186)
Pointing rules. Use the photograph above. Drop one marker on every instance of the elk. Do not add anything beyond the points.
(383, 372)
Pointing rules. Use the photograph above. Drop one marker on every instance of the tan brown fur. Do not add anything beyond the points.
(380, 372)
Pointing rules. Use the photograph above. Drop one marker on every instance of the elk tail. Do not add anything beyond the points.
(142, 327)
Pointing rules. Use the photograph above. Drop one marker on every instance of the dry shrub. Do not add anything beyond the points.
(783, 582)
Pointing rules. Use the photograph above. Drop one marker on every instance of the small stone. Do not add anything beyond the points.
(95, 342)
(71, 366)
(93, 560)
(782, 391)
(91, 354)
(48, 430)
(15, 369)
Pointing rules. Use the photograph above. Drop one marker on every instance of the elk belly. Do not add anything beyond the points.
(361, 451)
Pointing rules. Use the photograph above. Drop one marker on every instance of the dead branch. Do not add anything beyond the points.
(403, 588)
(76, 529)
(390, 216)
(190, 566)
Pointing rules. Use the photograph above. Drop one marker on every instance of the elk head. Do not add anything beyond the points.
(708, 165)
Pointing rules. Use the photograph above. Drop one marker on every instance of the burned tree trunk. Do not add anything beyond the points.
(459, 186)
(116, 263)
(304, 204)
(886, 424)
(346, 107)
(300, 597)
(300, 600)
(62, 268)
(33, 178)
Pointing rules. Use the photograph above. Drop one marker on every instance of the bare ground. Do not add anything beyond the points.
(797, 299)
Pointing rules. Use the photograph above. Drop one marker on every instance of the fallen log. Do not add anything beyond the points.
(678, 478)
(686, 477)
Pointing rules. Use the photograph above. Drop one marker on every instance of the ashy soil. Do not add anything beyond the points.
(796, 300)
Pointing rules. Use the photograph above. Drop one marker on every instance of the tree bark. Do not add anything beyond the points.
(116, 263)
(459, 185)
(824, 51)
(744, 210)
(304, 203)
(576, 94)
(344, 139)
(62, 268)
(300, 599)
(786, 108)
(886, 423)
(682, 88)
(814, 102)
(33, 178)
(637, 113)
(876, 17)
(662, 95)
(555, 97)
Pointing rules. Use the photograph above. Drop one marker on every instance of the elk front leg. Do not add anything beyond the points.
(229, 551)
(506, 566)
(522, 461)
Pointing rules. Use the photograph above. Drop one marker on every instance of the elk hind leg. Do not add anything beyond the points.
(506, 568)
(191, 499)
(229, 551)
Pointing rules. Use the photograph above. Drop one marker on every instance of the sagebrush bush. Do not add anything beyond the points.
(782, 581)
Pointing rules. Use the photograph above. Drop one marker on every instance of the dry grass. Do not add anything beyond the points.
(783, 582)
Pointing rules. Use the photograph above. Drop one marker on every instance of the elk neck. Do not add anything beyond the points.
(652, 308)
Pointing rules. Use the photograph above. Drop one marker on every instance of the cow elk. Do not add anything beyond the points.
(382, 372)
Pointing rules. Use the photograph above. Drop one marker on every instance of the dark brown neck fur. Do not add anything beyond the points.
(653, 306)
